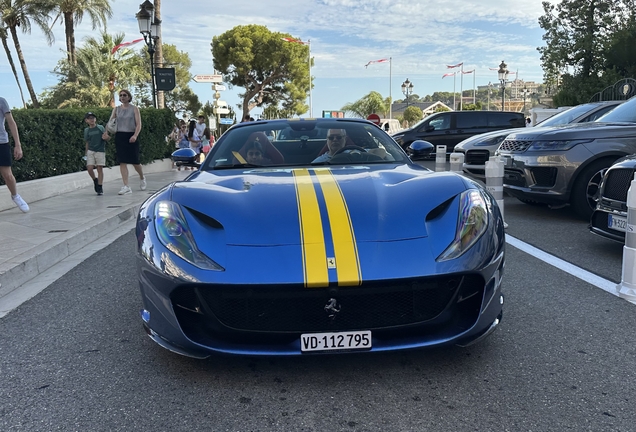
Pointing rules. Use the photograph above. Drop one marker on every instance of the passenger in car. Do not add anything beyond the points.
(254, 154)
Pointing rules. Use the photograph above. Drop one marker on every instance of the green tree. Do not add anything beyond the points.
(5, 44)
(72, 12)
(267, 67)
(20, 13)
(92, 81)
(412, 114)
(369, 104)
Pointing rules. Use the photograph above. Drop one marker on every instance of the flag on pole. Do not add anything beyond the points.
(448, 74)
(124, 44)
(377, 61)
(288, 39)
(454, 66)
(494, 68)
(467, 72)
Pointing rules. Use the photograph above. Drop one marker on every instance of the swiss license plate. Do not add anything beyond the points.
(616, 222)
(335, 341)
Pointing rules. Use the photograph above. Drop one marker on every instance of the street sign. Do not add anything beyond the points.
(218, 87)
(220, 103)
(220, 110)
(374, 118)
(226, 121)
(165, 79)
(208, 78)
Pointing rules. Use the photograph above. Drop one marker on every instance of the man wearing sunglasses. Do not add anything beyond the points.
(336, 140)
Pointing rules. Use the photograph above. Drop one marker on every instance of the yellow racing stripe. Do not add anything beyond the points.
(312, 238)
(347, 261)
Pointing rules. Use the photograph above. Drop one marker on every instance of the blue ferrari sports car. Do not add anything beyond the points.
(305, 236)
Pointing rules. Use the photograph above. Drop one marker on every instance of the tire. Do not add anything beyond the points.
(532, 202)
(585, 192)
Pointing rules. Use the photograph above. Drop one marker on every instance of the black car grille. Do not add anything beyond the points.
(544, 176)
(514, 178)
(477, 157)
(515, 145)
(233, 311)
(617, 182)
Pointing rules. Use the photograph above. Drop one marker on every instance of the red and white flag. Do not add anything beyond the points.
(124, 44)
(448, 74)
(376, 61)
(467, 72)
(454, 66)
(494, 69)
(288, 39)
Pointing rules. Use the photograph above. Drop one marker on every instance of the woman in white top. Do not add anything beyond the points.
(194, 137)
(126, 142)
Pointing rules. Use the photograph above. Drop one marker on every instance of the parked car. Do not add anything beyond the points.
(565, 164)
(609, 219)
(390, 126)
(478, 149)
(363, 250)
(449, 128)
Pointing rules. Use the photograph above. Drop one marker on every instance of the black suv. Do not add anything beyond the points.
(452, 127)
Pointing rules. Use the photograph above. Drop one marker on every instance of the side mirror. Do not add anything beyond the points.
(185, 157)
(429, 128)
(419, 150)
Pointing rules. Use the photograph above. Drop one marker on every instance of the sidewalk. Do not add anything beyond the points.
(62, 226)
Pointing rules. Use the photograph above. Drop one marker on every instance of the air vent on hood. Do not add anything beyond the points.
(211, 222)
(433, 214)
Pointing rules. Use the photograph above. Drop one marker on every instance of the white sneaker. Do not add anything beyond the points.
(125, 190)
(142, 184)
(22, 205)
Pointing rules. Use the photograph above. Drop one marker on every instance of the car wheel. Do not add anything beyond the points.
(585, 193)
(531, 202)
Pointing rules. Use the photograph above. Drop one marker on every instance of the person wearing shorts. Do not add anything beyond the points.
(95, 151)
(5, 153)
(126, 142)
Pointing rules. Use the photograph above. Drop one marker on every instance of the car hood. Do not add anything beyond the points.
(470, 142)
(591, 130)
(269, 206)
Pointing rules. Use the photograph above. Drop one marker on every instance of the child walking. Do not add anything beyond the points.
(95, 151)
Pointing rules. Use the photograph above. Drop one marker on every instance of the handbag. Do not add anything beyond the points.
(111, 126)
(206, 148)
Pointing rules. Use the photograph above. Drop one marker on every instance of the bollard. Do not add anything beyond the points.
(457, 162)
(494, 181)
(627, 288)
(440, 158)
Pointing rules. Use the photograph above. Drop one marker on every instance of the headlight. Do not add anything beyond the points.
(173, 232)
(491, 141)
(556, 145)
(471, 224)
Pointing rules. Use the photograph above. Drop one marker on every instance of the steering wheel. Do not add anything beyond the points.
(353, 153)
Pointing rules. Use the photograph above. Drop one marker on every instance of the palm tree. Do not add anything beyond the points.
(3, 36)
(72, 12)
(19, 13)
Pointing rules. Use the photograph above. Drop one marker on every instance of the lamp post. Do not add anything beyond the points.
(502, 73)
(407, 89)
(489, 87)
(524, 92)
(150, 28)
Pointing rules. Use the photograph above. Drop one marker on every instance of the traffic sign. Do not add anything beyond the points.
(218, 87)
(208, 78)
(226, 121)
(374, 118)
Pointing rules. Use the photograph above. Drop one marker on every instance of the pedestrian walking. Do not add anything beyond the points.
(5, 154)
(126, 140)
(194, 138)
(95, 151)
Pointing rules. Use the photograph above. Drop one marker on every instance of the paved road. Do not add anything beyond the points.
(75, 358)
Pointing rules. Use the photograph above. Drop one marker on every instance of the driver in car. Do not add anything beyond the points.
(336, 139)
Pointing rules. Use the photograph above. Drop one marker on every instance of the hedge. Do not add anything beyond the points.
(53, 139)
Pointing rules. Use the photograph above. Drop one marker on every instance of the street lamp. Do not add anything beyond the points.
(524, 92)
(489, 87)
(150, 28)
(407, 89)
(503, 76)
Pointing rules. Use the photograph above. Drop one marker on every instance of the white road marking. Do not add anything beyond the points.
(584, 275)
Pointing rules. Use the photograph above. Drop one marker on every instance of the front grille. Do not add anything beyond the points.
(544, 176)
(617, 182)
(513, 146)
(477, 157)
(295, 309)
(514, 178)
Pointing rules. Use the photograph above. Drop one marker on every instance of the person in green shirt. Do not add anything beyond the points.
(95, 151)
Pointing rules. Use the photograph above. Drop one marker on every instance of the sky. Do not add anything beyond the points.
(421, 37)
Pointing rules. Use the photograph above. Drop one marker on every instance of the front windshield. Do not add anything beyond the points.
(566, 117)
(625, 112)
(289, 143)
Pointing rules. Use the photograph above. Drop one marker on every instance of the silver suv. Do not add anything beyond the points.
(565, 164)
